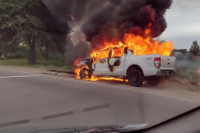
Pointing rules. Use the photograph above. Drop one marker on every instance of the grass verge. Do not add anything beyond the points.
(41, 64)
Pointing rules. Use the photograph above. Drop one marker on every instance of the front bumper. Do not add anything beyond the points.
(163, 73)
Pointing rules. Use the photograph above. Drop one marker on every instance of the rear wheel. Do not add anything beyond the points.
(135, 78)
(85, 74)
(153, 80)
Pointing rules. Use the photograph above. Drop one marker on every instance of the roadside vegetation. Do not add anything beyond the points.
(187, 68)
(29, 31)
(189, 76)
(41, 64)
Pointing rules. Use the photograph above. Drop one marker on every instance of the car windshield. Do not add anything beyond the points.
(134, 64)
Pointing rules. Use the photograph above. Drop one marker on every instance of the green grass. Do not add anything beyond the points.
(42, 64)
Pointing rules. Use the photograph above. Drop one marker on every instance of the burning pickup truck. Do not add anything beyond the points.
(118, 62)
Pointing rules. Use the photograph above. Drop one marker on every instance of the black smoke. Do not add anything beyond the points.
(79, 9)
(126, 16)
(111, 19)
(73, 52)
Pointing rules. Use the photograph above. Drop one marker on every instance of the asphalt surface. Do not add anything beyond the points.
(31, 98)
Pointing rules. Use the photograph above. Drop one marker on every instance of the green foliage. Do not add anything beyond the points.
(195, 50)
(29, 22)
(188, 70)
(25, 18)
(48, 65)
(57, 57)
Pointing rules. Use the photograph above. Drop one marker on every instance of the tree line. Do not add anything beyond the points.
(29, 23)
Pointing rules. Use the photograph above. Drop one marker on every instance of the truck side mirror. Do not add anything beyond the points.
(126, 50)
(110, 54)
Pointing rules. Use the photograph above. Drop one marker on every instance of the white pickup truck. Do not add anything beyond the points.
(122, 63)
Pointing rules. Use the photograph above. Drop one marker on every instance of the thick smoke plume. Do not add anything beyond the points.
(126, 16)
(111, 19)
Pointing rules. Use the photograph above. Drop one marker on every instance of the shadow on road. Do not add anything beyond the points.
(112, 81)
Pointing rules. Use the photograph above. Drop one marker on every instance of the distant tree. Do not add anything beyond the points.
(23, 18)
(30, 22)
(162, 41)
(195, 50)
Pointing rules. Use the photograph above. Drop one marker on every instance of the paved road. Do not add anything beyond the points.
(32, 98)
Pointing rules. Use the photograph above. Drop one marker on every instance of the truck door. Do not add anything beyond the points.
(116, 62)
(100, 65)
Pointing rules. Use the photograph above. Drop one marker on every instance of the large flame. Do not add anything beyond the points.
(140, 46)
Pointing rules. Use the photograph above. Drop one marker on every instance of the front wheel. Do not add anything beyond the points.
(153, 80)
(135, 78)
(85, 74)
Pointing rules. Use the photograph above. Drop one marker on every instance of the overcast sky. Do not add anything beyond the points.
(183, 20)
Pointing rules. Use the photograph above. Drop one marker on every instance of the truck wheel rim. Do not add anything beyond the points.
(83, 74)
(135, 78)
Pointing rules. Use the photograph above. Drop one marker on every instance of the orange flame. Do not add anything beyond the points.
(140, 46)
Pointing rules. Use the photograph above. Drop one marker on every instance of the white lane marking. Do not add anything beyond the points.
(132, 89)
(22, 76)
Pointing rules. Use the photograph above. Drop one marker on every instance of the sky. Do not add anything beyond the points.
(183, 23)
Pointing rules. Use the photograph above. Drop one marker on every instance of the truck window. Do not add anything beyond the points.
(103, 54)
(117, 52)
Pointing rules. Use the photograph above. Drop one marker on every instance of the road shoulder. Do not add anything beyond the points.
(161, 90)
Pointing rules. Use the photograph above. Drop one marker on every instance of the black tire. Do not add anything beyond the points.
(153, 80)
(135, 78)
(85, 73)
